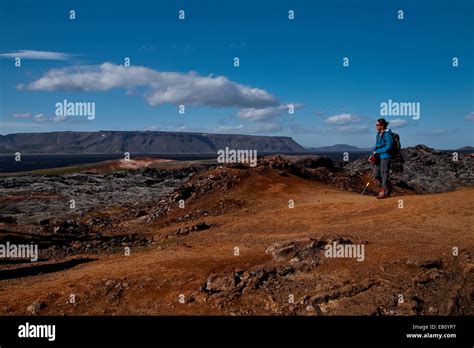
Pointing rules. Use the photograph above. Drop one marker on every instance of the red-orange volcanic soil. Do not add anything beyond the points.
(211, 257)
(134, 163)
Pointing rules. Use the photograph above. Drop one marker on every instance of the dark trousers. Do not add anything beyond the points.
(381, 172)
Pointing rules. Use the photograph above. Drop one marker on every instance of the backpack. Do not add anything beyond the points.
(396, 146)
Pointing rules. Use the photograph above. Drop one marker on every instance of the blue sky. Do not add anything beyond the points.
(283, 62)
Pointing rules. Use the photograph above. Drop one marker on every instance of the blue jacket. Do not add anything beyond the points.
(383, 144)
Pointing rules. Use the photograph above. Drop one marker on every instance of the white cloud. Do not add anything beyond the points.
(39, 118)
(22, 115)
(260, 114)
(57, 118)
(341, 119)
(397, 123)
(41, 55)
(171, 127)
(350, 129)
(345, 124)
(470, 117)
(161, 87)
(18, 127)
(247, 128)
(251, 128)
(224, 129)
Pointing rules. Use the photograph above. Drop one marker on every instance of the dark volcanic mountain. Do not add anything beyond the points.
(466, 148)
(146, 142)
(337, 148)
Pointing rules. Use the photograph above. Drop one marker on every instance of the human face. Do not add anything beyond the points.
(378, 126)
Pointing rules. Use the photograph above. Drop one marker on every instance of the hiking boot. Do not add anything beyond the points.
(382, 194)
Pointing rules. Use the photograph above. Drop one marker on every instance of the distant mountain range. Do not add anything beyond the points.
(156, 142)
(345, 147)
(337, 148)
(466, 148)
(142, 142)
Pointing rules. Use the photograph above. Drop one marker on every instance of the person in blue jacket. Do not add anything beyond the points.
(383, 144)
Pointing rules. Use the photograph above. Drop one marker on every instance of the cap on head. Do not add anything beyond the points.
(383, 122)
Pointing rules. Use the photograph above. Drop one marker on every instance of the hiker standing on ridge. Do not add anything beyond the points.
(381, 156)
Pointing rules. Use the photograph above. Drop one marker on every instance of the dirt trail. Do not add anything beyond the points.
(408, 267)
